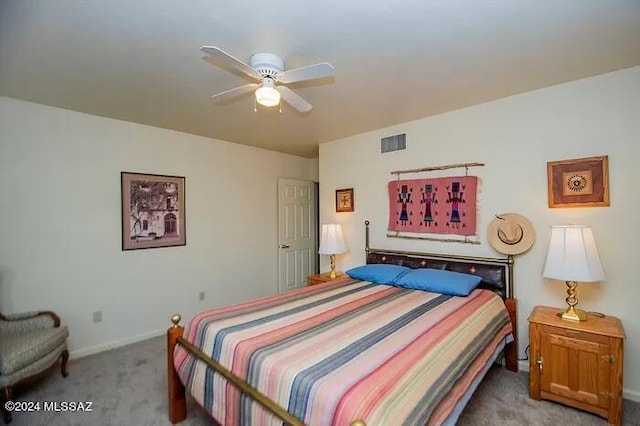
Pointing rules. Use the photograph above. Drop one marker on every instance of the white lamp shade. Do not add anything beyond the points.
(331, 240)
(267, 96)
(573, 255)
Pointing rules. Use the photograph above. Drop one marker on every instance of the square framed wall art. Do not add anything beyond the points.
(581, 182)
(344, 200)
(153, 211)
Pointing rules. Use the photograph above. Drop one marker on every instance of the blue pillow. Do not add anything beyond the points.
(378, 273)
(439, 281)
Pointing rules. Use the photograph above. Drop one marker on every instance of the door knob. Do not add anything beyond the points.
(284, 246)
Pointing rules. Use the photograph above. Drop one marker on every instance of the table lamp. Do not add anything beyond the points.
(573, 257)
(332, 243)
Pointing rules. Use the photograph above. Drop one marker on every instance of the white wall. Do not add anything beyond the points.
(515, 137)
(60, 245)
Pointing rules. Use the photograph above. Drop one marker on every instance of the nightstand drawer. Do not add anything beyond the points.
(577, 337)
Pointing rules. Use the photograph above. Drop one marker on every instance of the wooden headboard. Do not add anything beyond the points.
(496, 272)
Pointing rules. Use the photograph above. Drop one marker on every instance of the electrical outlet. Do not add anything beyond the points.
(97, 316)
(201, 296)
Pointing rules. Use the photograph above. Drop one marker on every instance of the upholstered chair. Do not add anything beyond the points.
(30, 343)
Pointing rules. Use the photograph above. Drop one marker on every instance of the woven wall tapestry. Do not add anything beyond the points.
(438, 205)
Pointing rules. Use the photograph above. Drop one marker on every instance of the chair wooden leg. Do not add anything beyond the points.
(65, 358)
(5, 396)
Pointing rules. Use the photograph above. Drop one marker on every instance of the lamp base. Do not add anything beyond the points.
(573, 314)
(332, 273)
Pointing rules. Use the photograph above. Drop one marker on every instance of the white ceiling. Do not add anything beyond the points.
(395, 60)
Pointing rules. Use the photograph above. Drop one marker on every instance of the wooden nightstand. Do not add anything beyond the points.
(577, 363)
(317, 279)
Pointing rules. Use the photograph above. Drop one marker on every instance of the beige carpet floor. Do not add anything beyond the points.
(127, 386)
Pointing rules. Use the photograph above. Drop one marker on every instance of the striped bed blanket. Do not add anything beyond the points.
(346, 350)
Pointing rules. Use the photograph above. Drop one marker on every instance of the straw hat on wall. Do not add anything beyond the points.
(511, 233)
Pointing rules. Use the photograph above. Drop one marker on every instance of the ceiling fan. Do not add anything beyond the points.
(268, 70)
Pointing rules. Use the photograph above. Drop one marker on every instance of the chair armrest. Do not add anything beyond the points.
(28, 321)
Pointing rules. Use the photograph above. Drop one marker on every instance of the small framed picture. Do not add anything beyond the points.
(344, 200)
(581, 182)
(153, 211)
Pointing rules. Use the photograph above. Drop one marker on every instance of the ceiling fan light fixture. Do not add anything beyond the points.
(267, 96)
(267, 69)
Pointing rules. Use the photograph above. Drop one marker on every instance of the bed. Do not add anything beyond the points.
(349, 351)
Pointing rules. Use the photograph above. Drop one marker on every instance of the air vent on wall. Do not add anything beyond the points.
(393, 143)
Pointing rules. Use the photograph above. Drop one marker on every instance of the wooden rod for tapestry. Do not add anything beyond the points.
(447, 166)
(441, 240)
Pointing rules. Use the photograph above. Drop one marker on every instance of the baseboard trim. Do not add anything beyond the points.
(626, 393)
(631, 395)
(523, 366)
(91, 350)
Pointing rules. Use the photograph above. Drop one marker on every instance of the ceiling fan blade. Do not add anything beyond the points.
(219, 55)
(238, 91)
(311, 72)
(290, 97)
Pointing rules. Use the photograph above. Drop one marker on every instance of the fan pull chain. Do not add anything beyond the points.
(255, 106)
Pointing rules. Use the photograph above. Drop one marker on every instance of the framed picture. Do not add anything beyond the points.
(582, 182)
(153, 213)
(344, 200)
